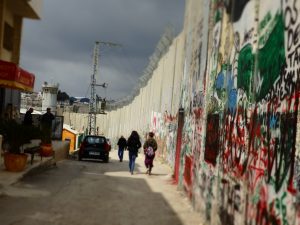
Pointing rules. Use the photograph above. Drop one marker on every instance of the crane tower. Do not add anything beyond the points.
(93, 97)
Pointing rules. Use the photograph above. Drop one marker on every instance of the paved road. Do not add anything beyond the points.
(90, 193)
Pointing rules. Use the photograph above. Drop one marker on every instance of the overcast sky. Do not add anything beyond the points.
(59, 47)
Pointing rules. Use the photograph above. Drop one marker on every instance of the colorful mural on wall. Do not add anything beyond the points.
(239, 157)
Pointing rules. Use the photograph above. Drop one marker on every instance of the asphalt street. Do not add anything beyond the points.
(94, 192)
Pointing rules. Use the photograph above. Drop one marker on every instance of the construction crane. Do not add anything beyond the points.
(93, 97)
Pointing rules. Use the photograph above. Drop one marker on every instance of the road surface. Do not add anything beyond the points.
(92, 193)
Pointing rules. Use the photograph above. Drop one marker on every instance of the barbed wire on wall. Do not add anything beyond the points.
(160, 50)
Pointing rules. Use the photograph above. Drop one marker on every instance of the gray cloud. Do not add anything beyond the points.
(59, 47)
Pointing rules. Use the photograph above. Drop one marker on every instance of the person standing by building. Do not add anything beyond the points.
(46, 125)
(150, 147)
(8, 114)
(28, 117)
(133, 145)
(122, 143)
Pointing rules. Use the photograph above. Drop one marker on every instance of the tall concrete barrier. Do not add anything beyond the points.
(224, 105)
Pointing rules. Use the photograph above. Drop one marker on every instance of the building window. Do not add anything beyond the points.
(8, 40)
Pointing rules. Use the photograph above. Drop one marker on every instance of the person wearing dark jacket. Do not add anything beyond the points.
(122, 143)
(46, 125)
(47, 118)
(133, 145)
(150, 147)
(28, 117)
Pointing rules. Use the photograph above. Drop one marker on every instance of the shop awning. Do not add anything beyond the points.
(13, 76)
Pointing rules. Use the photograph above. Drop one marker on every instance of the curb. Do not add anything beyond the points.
(42, 166)
(15, 177)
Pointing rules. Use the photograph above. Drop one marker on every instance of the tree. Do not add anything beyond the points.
(72, 100)
(62, 96)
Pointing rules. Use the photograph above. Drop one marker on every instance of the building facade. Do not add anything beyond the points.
(12, 14)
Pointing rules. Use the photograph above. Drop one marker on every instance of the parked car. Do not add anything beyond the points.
(94, 147)
(109, 143)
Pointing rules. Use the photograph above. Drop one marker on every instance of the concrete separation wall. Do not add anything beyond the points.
(233, 74)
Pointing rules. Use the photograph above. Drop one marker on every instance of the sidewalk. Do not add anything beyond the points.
(162, 183)
(7, 179)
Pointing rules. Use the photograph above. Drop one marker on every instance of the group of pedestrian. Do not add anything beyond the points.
(133, 144)
(46, 118)
(46, 123)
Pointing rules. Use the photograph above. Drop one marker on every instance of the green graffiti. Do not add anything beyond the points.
(281, 208)
(245, 69)
(218, 16)
(271, 58)
(265, 21)
(218, 12)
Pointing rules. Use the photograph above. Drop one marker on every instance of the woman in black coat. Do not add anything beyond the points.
(133, 145)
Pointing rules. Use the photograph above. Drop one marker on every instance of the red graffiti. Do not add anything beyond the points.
(188, 174)
(212, 139)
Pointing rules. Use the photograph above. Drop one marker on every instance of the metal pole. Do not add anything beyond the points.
(93, 100)
(92, 105)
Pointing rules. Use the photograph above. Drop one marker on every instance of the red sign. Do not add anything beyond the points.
(12, 76)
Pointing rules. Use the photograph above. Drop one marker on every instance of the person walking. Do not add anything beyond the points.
(133, 145)
(28, 117)
(122, 143)
(150, 147)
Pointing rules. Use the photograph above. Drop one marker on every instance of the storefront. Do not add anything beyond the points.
(13, 80)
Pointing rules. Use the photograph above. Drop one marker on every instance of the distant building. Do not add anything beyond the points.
(33, 100)
(49, 99)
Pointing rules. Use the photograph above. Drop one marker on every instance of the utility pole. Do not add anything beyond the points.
(93, 97)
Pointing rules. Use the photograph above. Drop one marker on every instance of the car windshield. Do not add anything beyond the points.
(95, 140)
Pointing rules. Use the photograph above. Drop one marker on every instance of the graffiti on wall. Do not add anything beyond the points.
(239, 153)
(250, 105)
(212, 139)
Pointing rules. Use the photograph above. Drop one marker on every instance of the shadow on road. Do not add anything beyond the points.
(79, 197)
(153, 174)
